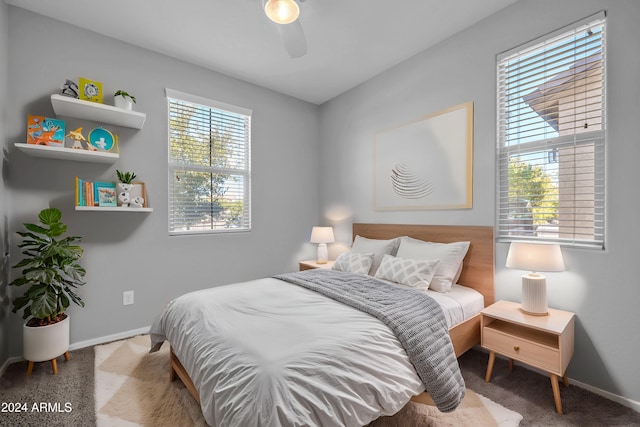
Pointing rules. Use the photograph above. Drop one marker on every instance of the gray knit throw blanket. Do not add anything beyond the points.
(415, 318)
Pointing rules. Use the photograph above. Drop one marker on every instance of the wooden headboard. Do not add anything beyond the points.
(478, 264)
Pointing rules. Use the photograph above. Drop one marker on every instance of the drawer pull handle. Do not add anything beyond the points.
(516, 348)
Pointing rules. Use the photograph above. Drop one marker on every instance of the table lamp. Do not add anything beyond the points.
(534, 257)
(322, 236)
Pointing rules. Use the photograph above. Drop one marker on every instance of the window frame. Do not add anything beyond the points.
(245, 172)
(597, 138)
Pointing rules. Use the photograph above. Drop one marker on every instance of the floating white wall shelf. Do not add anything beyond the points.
(67, 153)
(106, 114)
(112, 209)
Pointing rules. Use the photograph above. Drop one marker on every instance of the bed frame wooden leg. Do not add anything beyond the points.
(178, 371)
(172, 371)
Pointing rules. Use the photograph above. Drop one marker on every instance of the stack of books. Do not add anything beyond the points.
(90, 193)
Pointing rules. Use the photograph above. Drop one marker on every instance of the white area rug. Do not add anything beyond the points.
(133, 389)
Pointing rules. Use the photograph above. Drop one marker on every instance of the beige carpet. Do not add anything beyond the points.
(133, 389)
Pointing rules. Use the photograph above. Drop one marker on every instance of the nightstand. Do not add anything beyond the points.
(311, 264)
(544, 342)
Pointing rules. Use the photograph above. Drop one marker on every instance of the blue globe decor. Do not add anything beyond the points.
(101, 139)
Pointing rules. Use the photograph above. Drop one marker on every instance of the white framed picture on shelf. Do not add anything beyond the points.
(138, 195)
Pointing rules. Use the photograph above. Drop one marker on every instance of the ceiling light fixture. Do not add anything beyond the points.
(282, 11)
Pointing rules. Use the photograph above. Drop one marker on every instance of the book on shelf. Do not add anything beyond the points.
(46, 131)
(105, 193)
(95, 193)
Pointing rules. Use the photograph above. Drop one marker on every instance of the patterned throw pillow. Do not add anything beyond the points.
(376, 246)
(451, 256)
(354, 262)
(410, 272)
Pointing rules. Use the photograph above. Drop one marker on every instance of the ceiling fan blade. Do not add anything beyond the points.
(292, 36)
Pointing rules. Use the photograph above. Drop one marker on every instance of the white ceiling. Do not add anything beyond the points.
(348, 41)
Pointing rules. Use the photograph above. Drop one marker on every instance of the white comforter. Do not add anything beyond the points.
(269, 353)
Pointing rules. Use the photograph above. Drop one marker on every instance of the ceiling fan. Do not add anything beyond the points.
(285, 14)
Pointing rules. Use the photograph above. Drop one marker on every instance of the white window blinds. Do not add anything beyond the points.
(551, 137)
(209, 165)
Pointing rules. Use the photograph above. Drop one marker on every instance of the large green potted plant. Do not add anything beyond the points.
(50, 269)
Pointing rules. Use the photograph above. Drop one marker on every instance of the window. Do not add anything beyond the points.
(551, 137)
(209, 165)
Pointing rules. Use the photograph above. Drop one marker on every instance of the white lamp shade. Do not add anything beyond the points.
(322, 235)
(535, 257)
(282, 11)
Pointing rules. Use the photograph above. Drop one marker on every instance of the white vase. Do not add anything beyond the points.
(42, 343)
(123, 102)
(123, 188)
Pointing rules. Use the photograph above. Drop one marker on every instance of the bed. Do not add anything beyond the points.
(379, 384)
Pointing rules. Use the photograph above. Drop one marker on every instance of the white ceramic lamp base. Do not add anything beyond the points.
(323, 253)
(534, 294)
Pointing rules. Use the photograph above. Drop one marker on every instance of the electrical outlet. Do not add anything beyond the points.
(127, 298)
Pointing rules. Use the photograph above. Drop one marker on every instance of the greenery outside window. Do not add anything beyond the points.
(209, 165)
(551, 137)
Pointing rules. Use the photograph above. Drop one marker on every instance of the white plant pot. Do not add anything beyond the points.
(42, 343)
(122, 188)
(123, 102)
(130, 195)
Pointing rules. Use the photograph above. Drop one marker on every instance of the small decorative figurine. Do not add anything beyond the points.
(137, 202)
(70, 89)
(77, 138)
(123, 199)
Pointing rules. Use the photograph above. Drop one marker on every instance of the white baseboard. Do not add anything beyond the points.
(109, 338)
(629, 403)
(8, 362)
(83, 344)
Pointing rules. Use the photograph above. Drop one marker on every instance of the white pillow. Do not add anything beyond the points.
(376, 246)
(449, 254)
(353, 262)
(411, 272)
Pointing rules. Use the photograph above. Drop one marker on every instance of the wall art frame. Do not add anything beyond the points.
(426, 163)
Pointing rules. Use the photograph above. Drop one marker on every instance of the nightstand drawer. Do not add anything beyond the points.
(541, 356)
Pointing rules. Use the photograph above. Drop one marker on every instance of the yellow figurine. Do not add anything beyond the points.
(77, 137)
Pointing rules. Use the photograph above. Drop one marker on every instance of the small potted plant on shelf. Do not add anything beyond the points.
(122, 99)
(52, 270)
(130, 194)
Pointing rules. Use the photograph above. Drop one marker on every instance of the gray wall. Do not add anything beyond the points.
(4, 291)
(601, 287)
(132, 251)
